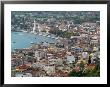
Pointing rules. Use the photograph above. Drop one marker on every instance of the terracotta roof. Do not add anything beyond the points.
(22, 67)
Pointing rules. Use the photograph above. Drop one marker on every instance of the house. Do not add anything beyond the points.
(49, 69)
(95, 49)
(85, 55)
(45, 44)
(63, 27)
(52, 61)
(39, 54)
(23, 75)
(60, 68)
(59, 61)
(22, 68)
(37, 65)
(77, 49)
(70, 59)
(90, 67)
(49, 55)
(94, 41)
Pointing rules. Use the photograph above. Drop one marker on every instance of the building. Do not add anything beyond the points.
(49, 69)
(23, 75)
(85, 55)
(34, 27)
(70, 59)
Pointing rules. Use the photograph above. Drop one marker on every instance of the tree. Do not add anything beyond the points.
(75, 74)
(92, 73)
(30, 53)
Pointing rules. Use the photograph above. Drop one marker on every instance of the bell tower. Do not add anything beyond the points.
(34, 28)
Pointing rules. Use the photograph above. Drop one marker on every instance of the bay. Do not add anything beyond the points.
(21, 40)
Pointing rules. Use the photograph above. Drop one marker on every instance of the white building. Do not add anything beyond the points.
(37, 65)
(34, 28)
(39, 54)
(49, 69)
(46, 44)
(70, 59)
(40, 27)
(23, 75)
(59, 61)
(85, 55)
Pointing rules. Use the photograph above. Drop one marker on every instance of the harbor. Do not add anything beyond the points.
(60, 45)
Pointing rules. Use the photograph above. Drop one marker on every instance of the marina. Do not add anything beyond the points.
(58, 46)
(24, 40)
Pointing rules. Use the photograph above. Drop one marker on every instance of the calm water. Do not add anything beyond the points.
(23, 39)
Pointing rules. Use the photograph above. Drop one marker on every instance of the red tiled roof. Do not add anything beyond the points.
(23, 67)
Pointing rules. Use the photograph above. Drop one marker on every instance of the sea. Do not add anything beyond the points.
(21, 40)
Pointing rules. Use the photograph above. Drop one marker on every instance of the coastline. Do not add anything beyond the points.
(47, 36)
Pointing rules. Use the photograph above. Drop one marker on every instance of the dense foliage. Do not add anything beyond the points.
(89, 73)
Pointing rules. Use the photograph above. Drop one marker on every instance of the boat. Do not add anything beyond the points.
(44, 35)
(57, 38)
(14, 42)
(48, 36)
(32, 42)
(40, 33)
(24, 31)
(53, 37)
(36, 32)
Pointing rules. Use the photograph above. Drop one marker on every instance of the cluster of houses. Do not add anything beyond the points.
(53, 59)
(60, 58)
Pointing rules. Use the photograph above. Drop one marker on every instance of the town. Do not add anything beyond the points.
(75, 53)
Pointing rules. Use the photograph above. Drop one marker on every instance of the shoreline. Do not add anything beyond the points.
(32, 43)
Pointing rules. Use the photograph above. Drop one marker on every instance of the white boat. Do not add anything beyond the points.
(53, 37)
(34, 33)
(57, 38)
(40, 33)
(44, 35)
(24, 31)
(31, 42)
(48, 36)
